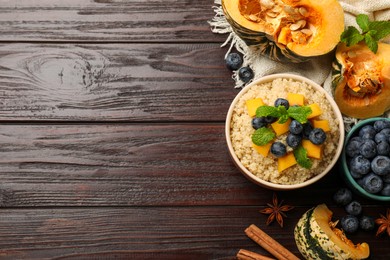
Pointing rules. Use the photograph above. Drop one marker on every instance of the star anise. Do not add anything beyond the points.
(276, 211)
(384, 223)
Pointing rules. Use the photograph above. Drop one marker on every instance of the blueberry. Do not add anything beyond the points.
(380, 137)
(352, 148)
(372, 183)
(381, 124)
(307, 128)
(282, 102)
(233, 61)
(360, 165)
(386, 190)
(258, 122)
(343, 196)
(367, 132)
(368, 149)
(295, 127)
(317, 136)
(270, 119)
(245, 74)
(386, 178)
(354, 208)
(381, 165)
(278, 149)
(383, 148)
(293, 140)
(367, 223)
(349, 223)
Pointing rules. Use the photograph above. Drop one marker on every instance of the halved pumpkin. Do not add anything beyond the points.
(317, 237)
(361, 80)
(287, 30)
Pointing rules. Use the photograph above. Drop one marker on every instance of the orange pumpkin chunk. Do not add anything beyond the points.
(286, 162)
(252, 105)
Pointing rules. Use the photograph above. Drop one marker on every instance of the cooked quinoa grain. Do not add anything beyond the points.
(266, 168)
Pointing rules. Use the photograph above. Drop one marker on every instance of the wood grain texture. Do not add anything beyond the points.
(107, 21)
(143, 233)
(128, 165)
(114, 82)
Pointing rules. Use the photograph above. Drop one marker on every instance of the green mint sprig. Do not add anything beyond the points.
(299, 113)
(300, 154)
(371, 32)
(262, 136)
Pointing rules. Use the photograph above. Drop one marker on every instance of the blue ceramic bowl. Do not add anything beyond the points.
(345, 173)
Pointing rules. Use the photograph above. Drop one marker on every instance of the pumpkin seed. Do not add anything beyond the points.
(308, 32)
(253, 18)
(303, 11)
(288, 9)
(272, 14)
(298, 25)
(268, 4)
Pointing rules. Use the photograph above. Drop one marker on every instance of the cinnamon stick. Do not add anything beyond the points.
(249, 255)
(269, 244)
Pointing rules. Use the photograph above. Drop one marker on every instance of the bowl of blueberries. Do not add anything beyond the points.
(365, 159)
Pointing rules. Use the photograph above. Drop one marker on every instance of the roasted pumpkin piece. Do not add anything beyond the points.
(286, 162)
(295, 99)
(361, 80)
(313, 150)
(281, 128)
(287, 30)
(323, 124)
(317, 237)
(315, 110)
(252, 105)
(263, 149)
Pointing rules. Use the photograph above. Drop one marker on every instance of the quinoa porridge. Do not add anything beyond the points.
(265, 167)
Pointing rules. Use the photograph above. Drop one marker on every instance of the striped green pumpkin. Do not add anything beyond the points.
(317, 239)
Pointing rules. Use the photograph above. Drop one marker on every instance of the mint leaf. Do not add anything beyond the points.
(372, 32)
(351, 36)
(267, 111)
(299, 113)
(371, 42)
(283, 119)
(283, 114)
(262, 136)
(382, 29)
(363, 22)
(300, 155)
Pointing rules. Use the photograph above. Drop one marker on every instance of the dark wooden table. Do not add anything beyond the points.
(112, 137)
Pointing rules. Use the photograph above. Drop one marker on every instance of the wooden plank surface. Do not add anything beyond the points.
(106, 21)
(126, 165)
(112, 137)
(114, 82)
(144, 233)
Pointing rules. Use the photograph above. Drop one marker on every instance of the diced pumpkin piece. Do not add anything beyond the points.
(286, 162)
(281, 128)
(315, 110)
(313, 150)
(323, 124)
(263, 149)
(295, 99)
(252, 105)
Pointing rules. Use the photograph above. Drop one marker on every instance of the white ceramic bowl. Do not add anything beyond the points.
(267, 184)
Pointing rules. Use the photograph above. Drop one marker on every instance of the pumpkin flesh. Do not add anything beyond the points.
(317, 237)
(361, 82)
(299, 28)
